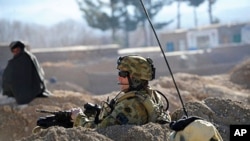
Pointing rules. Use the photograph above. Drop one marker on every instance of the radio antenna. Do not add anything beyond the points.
(158, 41)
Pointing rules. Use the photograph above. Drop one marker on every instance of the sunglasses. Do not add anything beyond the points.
(123, 73)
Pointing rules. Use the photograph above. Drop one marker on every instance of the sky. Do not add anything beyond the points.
(49, 12)
(44, 12)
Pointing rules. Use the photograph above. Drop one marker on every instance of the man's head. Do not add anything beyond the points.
(16, 47)
(139, 70)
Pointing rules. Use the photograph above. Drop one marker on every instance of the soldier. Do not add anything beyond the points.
(136, 104)
(23, 78)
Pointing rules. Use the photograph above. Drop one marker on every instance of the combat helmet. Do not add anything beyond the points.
(138, 67)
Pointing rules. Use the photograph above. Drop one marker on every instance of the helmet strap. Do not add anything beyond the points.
(135, 84)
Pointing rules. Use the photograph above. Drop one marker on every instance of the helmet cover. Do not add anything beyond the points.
(138, 67)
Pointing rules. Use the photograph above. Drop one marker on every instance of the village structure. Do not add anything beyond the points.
(206, 37)
(206, 50)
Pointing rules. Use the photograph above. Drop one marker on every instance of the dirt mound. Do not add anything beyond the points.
(197, 88)
(241, 74)
(73, 134)
(207, 109)
(198, 93)
(67, 86)
(221, 112)
(18, 122)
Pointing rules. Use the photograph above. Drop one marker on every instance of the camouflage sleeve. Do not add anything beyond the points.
(127, 111)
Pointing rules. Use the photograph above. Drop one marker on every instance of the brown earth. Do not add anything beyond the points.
(221, 99)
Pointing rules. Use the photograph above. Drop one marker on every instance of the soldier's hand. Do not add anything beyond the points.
(75, 112)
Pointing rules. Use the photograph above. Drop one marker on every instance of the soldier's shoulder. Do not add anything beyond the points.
(125, 96)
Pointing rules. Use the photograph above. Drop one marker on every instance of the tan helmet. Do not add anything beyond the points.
(137, 66)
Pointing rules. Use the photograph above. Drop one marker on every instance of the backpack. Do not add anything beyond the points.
(195, 130)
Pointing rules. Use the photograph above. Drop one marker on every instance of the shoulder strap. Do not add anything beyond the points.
(158, 114)
(126, 96)
(167, 102)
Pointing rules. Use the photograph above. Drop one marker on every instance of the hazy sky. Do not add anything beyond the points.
(48, 12)
(45, 12)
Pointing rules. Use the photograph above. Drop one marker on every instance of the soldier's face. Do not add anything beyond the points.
(123, 82)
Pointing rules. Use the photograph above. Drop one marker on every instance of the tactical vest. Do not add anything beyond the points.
(153, 104)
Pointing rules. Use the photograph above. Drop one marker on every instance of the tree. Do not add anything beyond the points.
(102, 15)
(119, 14)
(195, 4)
(66, 33)
(128, 22)
(210, 10)
(153, 7)
(179, 13)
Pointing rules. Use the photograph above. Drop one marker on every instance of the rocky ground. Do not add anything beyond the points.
(221, 99)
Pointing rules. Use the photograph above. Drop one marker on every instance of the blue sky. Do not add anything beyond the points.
(45, 12)
(226, 10)
(49, 12)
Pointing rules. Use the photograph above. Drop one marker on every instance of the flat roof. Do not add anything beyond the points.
(74, 48)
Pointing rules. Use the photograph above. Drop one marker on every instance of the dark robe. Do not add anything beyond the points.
(23, 78)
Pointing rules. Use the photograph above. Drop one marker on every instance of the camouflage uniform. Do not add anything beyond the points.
(127, 111)
(134, 106)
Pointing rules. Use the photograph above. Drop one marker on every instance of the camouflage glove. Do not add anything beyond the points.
(37, 129)
(84, 121)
